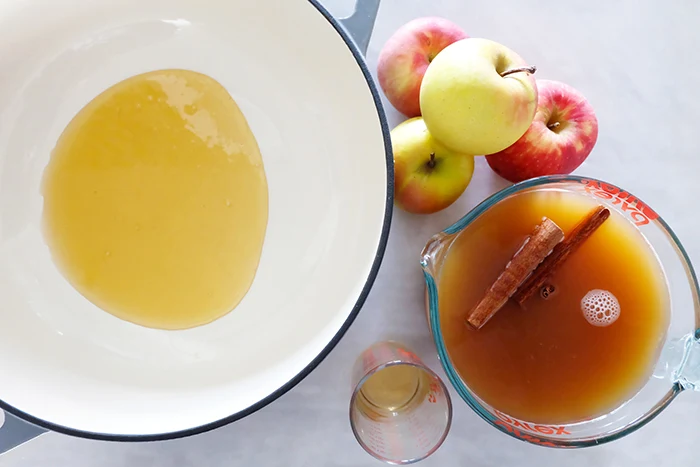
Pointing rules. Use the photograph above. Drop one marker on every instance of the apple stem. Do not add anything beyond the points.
(525, 69)
(553, 125)
(431, 162)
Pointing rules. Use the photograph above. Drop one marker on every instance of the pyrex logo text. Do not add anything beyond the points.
(640, 213)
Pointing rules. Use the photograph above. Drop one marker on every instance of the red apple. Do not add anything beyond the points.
(560, 138)
(407, 54)
(428, 177)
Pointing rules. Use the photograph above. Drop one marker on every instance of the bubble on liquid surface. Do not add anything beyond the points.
(600, 307)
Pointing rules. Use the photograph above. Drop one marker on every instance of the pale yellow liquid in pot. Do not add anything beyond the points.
(156, 201)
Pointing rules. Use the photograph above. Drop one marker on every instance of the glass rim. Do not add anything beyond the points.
(454, 378)
(352, 409)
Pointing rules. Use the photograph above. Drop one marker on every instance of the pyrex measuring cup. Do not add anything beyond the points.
(678, 367)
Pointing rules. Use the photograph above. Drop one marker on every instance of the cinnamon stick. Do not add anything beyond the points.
(535, 249)
(561, 252)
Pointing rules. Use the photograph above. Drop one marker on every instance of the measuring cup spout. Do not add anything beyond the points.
(434, 252)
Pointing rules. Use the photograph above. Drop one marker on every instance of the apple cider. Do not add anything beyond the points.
(579, 348)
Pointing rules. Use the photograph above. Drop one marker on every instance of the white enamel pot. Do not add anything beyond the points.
(302, 82)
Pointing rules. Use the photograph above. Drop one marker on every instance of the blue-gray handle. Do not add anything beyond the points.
(14, 432)
(361, 23)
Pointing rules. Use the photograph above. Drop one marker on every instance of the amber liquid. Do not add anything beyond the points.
(155, 201)
(546, 363)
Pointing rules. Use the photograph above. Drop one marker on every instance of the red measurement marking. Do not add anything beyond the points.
(406, 354)
(524, 436)
(544, 429)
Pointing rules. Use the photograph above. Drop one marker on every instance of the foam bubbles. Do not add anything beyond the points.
(600, 307)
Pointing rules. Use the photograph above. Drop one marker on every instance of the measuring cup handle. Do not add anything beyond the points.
(361, 23)
(14, 432)
(679, 362)
(688, 372)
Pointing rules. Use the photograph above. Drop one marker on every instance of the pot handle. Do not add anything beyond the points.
(361, 23)
(14, 432)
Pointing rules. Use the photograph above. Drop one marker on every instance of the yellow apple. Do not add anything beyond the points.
(478, 96)
(428, 177)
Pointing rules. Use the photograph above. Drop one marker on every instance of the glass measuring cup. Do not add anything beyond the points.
(678, 367)
(400, 410)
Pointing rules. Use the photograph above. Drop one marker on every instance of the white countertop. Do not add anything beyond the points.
(637, 62)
